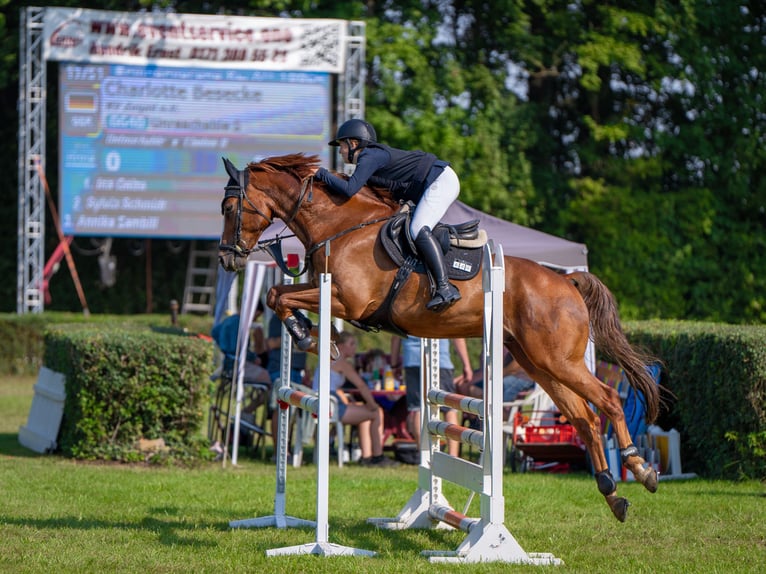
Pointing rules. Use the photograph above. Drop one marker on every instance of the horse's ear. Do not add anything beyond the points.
(230, 169)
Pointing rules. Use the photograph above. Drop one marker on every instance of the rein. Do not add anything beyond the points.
(238, 190)
(274, 246)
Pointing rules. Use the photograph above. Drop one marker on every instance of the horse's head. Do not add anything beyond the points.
(253, 198)
(239, 209)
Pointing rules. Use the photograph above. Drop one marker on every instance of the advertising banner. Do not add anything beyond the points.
(284, 44)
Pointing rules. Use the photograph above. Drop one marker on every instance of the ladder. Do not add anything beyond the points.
(201, 273)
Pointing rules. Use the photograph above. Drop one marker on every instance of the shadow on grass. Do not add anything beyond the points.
(169, 532)
(172, 532)
(10, 446)
(393, 542)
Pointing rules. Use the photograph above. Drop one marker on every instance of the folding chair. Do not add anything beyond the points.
(221, 415)
(305, 428)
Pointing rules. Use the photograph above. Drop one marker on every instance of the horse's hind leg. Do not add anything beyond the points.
(574, 387)
(643, 473)
(588, 426)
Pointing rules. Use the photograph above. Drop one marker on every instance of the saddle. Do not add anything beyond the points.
(462, 247)
(461, 244)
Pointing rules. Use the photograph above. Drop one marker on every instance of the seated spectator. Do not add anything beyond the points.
(274, 366)
(367, 416)
(225, 335)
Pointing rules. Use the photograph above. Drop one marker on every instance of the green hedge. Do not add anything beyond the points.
(717, 373)
(137, 378)
(125, 383)
(22, 350)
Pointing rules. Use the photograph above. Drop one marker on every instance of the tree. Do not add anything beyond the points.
(635, 127)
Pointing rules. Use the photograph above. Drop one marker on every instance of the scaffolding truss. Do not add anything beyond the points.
(31, 139)
(31, 108)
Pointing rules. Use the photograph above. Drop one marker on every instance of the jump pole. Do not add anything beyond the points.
(487, 537)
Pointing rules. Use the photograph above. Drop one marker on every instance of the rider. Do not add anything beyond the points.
(430, 183)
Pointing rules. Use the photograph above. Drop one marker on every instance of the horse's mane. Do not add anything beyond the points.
(298, 163)
(301, 166)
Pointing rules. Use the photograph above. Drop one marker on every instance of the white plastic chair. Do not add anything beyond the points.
(305, 428)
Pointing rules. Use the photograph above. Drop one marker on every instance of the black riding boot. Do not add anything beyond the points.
(431, 252)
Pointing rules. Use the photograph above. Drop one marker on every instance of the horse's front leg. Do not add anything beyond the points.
(287, 301)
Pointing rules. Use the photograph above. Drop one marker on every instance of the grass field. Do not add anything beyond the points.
(62, 516)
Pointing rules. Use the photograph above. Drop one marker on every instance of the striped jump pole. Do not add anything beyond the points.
(487, 537)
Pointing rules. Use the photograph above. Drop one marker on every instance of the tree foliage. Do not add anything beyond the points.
(635, 127)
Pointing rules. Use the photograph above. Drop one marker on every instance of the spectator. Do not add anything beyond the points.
(225, 335)
(297, 369)
(405, 354)
(367, 416)
(515, 381)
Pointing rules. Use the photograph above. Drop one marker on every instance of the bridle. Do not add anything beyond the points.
(237, 188)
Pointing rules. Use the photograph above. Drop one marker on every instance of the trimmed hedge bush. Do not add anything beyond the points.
(124, 384)
(22, 350)
(717, 373)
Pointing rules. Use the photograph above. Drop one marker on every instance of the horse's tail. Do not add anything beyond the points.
(609, 337)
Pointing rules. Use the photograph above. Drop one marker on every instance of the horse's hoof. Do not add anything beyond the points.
(648, 477)
(619, 507)
(303, 320)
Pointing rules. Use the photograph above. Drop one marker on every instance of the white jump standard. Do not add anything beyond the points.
(319, 406)
(487, 537)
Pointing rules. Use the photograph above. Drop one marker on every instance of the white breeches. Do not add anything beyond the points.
(435, 201)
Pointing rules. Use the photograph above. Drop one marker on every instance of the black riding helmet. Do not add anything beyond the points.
(355, 129)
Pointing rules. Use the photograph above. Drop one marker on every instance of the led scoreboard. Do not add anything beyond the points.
(141, 145)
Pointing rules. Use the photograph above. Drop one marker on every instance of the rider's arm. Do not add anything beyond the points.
(370, 160)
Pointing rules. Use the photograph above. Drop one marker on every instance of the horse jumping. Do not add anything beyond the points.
(547, 319)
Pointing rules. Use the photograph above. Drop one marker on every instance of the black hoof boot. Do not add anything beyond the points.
(299, 332)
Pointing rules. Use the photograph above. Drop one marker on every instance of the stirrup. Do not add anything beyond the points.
(444, 299)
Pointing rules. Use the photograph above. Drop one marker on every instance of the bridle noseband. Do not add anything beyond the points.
(237, 186)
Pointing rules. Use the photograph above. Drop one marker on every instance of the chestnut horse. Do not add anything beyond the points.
(547, 320)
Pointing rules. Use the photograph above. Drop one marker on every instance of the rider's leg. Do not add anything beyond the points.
(430, 209)
(431, 252)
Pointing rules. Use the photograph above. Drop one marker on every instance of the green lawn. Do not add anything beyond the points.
(60, 516)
